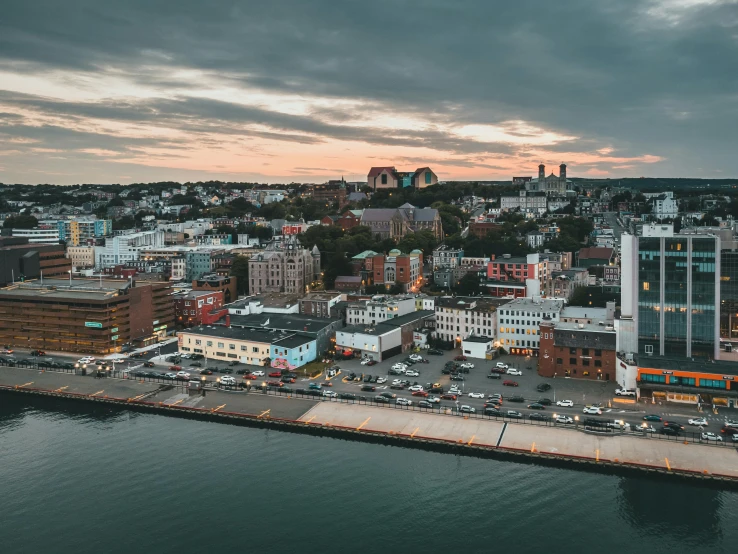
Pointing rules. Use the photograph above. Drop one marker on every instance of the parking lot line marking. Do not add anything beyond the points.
(219, 407)
(413, 433)
(98, 392)
(62, 388)
(667, 464)
(172, 404)
(24, 385)
(470, 440)
(139, 396)
(309, 420)
(597, 453)
(265, 412)
(362, 425)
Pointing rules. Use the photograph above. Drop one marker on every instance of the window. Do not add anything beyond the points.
(231, 347)
(585, 362)
(243, 348)
(559, 361)
(232, 356)
(220, 354)
(198, 350)
(384, 178)
(221, 345)
(572, 350)
(712, 383)
(585, 351)
(688, 381)
(648, 348)
(572, 361)
(598, 363)
(210, 343)
(427, 177)
(254, 349)
(198, 341)
(598, 352)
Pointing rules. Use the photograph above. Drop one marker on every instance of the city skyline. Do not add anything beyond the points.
(281, 92)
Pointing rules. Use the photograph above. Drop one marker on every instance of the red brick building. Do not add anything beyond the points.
(511, 269)
(577, 350)
(189, 308)
(481, 229)
(213, 282)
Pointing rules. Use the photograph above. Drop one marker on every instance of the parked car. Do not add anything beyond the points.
(565, 403)
(592, 410)
(347, 396)
(711, 437)
(258, 373)
(368, 388)
(226, 380)
(330, 394)
(544, 401)
(38, 353)
(365, 361)
(170, 375)
(175, 368)
(513, 371)
(494, 376)
(381, 399)
(233, 362)
(625, 392)
(465, 409)
(448, 396)
(315, 386)
(538, 417)
(403, 402)
(492, 412)
(371, 363)
(700, 421)
(250, 376)
(148, 364)
(536, 406)
(416, 357)
(388, 394)
(367, 378)
(457, 377)
(669, 431)
(424, 404)
(412, 373)
(198, 364)
(435, 352)
(420, 393)
(460, 358)
(274, 383)
(516, 398)
(500, 365)
(467, 366)
(476, 395)
(205, 372)
(513, 414)
(564, 419)
(509, 383)
(275, 374)
(543, 387)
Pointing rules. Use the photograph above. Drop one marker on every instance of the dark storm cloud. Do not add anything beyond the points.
(612, 72)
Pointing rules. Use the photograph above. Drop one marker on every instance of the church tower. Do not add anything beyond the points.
(562, 173)
(541, 174)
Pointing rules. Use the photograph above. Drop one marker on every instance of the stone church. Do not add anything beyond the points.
(551, 185)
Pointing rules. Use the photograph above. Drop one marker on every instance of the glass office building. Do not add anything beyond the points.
(729, 294)
(678, 295)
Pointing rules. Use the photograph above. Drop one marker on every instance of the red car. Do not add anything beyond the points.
(250, 377)
(327, 384)
(448, 396)
(275, 383)
(420, 393)
(371, 362)
(460, 358)
(510, 383)
(175, 368)
(275, 374)
(497, 370)
(288, 379)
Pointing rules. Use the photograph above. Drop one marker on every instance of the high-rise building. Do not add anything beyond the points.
(670, 293)
(77, 232)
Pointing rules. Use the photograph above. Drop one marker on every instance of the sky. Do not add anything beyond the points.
(102, 91)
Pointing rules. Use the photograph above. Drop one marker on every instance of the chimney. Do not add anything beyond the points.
(228, 320)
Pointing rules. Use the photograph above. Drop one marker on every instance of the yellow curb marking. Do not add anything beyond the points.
(413, 433)
(470, 440)
(362, 425)
(98, 392)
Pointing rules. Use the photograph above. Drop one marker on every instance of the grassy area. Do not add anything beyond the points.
(313, 369)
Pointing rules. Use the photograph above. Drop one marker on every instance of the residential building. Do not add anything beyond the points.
(190, 306)
(519, 321)
(525, 201)
(390, 178)
(394, 268)
(126, 248)
(459, 317)
(562, 284)
(577, 350)
(395, 223)
(535, 239)
(671, 293)
(77, 231)
(284, 267)
(216, 239)
(330, 193)
(271, 303)
(82, 256)
(213, 282)
(664, 206)
(350, 283)
(481, 229)
(379, 309)
(20, 260)
(97, 316)
(445, 256)
(249, 346)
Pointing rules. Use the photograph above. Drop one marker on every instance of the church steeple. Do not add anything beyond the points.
(562, 172)
(541, 172)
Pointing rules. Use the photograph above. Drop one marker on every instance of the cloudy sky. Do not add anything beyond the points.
(103, 91)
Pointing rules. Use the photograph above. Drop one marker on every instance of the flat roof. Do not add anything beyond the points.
(374, 330)
(81, 289)
(288, 322)
(581, 312)
(288, 340)
(409, 318)
(688, 364)
(483, 340)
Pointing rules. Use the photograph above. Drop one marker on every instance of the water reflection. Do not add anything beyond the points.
(14, 407)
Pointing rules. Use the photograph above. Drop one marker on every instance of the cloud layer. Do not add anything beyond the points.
(101, 91)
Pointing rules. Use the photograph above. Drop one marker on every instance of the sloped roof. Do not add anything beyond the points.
(374, 171)
(425, 214)
(381, 214)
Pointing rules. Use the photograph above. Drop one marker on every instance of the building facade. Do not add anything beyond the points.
(577, 350)
(379, 309)
(284, 267)
(519, 322)
(458, 317)
(20, 260)
(81, 256)
(395, 223)
(190, 307)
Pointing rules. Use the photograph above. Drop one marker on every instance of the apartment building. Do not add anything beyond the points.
(82, 256)
(127, 248)
(190, 307)
(284, 267)
(519, 321)
(459, 317)
(379, 309)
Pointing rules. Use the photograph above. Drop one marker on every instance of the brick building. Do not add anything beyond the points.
(329, 193)
(19, 259)
(577, 350)
(190, 307)
(213, 282)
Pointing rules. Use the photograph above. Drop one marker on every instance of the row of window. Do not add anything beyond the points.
(573, 361)
(519, 331)
(686, 381)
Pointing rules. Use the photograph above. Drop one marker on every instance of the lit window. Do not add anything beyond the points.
(646, 285)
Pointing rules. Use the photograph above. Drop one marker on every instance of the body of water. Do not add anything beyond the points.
(76, 480)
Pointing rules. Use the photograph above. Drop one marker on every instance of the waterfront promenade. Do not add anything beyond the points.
(402, 427)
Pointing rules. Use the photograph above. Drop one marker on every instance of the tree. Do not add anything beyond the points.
(338, 264)
(240, 270)
(468, 285)
(593, 297)
(20, 222)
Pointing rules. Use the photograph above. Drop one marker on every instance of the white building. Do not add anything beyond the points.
(378, 342)
(525, 201)
(81, 256)
(179, 268)
(664, 206)
(379, 309)
(39, 236)
(477, 347)
(127, 248)
(535, 239)
(518, 323)
(459, 317)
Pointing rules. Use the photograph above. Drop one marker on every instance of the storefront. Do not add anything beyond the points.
(687, 382)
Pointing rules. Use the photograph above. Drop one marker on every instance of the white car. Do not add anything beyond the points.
(565, 403)
(711, 437)
(365, 361)
(330, 394)
(183, 375)
(170, 375)
(648, 428)
(476, 395)
(258, 373)
(437, 400)
(86, 360)
(500, 365)
(404, 402)
(564, 419)
(454, 390)
(731, 423)
(399, 366)
(700, 421)
(381, 380)
(416, 358)
(227, 380)
(594, 410)
(395, 382)
(412, 373)
(467, 409)
(467, 366)
(625, 392)
(513, 371)
(415, 388)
